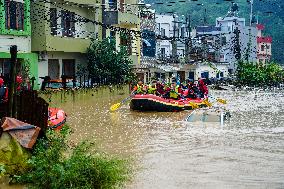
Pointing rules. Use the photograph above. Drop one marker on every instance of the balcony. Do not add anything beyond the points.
(59, 43)
(120, 18)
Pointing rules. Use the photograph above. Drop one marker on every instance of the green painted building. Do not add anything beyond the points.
(15, 29)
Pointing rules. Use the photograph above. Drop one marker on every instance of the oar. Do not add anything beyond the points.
(209, 104)
(222, 101)
(117, 105)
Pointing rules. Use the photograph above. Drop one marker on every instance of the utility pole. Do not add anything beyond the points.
(237, 46)
(188, 42)
(13, 52)
(205, 17)
(174, 40)
(251, 11)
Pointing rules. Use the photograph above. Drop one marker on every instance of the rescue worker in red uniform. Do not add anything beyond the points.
(3, 92)
(203, 88)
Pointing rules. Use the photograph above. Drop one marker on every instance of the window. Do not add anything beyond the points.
(262, 47)
(163, 32)
(68, 23)
(68, 67)
(224, 41)
(112, 4)
(267, 47)
(14, 15)
(163, 52)
(53, 21)
(112, 34)
(182, 32)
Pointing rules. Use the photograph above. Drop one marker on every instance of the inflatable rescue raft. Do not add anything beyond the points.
(150, 102)
(56, 118)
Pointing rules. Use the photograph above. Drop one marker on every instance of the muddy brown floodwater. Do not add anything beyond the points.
(247, 152)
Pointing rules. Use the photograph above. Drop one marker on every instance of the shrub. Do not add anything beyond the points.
(51, 168)
(257, 75)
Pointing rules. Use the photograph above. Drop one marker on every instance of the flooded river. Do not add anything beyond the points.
(247, 152)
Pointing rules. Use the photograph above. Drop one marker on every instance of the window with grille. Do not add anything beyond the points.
(163, 32)
(14, 15)
(53, 21)
(68, 23)
(182, 32)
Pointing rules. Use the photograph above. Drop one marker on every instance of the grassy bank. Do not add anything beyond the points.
(54, 165)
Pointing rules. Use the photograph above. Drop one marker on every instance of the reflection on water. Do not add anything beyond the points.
(247, 152)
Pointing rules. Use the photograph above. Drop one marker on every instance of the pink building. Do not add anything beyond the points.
(263, 46)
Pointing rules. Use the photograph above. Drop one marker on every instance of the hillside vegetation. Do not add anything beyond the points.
(269, 12)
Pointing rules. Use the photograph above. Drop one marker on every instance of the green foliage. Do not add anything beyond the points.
(105, 63)
(51, 168)
(256, 75)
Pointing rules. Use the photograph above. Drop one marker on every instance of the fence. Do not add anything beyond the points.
(29, 108)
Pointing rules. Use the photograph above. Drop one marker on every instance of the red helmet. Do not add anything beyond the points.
(19, 79)
(1, 81)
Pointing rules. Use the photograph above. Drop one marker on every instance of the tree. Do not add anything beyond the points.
(107, 65)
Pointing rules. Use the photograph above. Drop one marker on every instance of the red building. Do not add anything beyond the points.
(263, 46)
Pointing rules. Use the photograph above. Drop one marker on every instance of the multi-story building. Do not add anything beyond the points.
(123, 24)
(148, 42)
(15, 29)
(229, 41)
(171, 32)
(263, 46)
(62, 32)
(235, 34)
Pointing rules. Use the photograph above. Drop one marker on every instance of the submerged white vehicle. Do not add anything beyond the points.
(212, 114)
(208, 115)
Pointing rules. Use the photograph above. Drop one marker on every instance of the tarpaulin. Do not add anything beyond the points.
(26, 134)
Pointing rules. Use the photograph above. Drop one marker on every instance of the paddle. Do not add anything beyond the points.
(209, 104)
(222, 101)
(117, 105)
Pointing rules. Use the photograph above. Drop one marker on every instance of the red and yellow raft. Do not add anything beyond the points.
(150, 102)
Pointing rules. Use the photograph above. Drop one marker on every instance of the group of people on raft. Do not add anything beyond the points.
(173, 90)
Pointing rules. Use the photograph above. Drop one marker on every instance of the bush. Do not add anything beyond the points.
(251, 74)
(51, 169)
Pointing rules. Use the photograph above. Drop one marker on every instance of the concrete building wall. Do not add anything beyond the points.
(23, 43)
(43, 64)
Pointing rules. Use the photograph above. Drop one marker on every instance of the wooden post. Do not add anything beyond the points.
(12, 88)
(33, 83)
